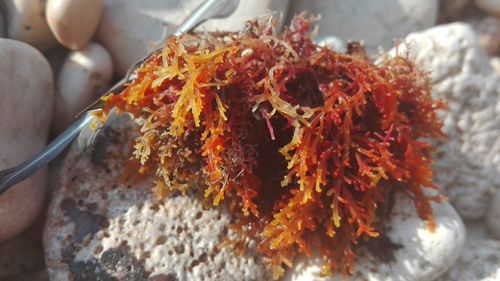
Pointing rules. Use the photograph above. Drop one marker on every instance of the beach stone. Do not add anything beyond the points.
(332, 42)
(100, 229)
(26, 91)
(84, 76)
(376, 23)
(491, 7)
(129, 29)
(495, 63)
(73, 22)
(19, 255)
(408, 250)
(479, 261)
(26, 22)
(467, 162)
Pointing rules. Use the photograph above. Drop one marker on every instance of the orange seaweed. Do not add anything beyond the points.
(306, 142)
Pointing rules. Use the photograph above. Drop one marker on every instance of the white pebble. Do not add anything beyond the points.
(85, 75)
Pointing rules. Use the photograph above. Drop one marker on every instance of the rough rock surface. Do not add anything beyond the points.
(479, 261)
(27, 96)
(99, 229)
(468, 162)
(377, 23)
(408, 250)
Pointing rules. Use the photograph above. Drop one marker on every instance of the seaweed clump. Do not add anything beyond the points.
(305, 143)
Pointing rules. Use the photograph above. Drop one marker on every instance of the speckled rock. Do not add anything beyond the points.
(85, 74)
(26, 22)
(408, 250)
(479, 261)
(21, 254)
(468, 162)
(73, 22)
(27, 96)
(377, 23)
(129, 28)
(489, 6)
(99, 228)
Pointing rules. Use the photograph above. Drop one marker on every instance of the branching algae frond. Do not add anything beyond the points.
(304, 142)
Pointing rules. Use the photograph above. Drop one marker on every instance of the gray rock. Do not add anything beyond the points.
(468, 162)
(98, 228)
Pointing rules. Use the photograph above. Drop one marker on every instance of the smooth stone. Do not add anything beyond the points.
(84, 76)
(26, 22)
(489, 6)
(19, 255)
(493, 215)
(26, 90)
(467, 163)
(129, 29)
(376, 23)
(479, 261)
(452, 9)
(415, 252)
(97, 227)
(73, 22)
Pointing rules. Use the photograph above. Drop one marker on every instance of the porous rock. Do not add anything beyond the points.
(479, 261)
(407, 250)
(377, 23)
(129, 28)
(73, 22)
(99, 229)
(467, 162)
(27, 96)
(84, 76)
(26, 22)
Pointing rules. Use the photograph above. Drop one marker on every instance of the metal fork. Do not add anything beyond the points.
(209, 9)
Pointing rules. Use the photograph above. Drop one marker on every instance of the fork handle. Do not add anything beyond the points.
(27, 168)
